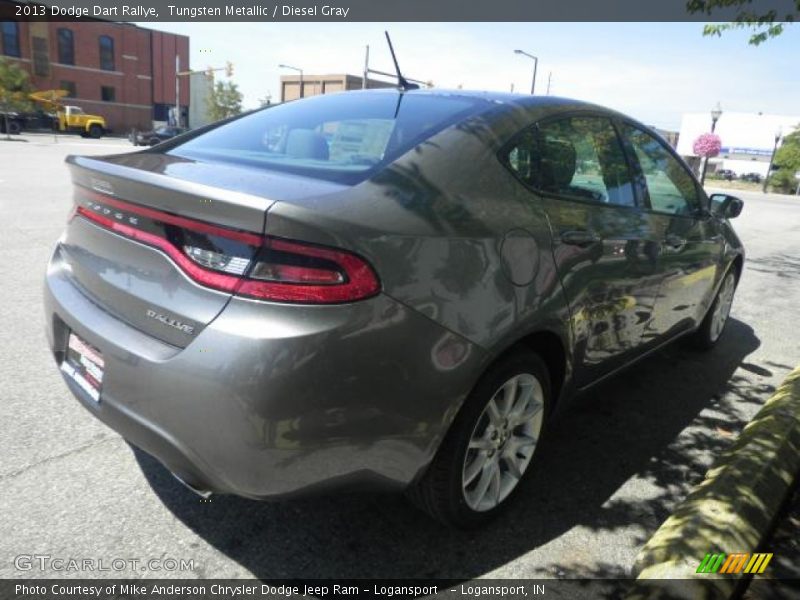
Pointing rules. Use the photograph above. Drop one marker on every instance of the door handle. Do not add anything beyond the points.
(580, 237)
(675, 242)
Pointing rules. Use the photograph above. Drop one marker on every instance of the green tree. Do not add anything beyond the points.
(225, 100)
(787, 161)
(764, 25)
(14, 89)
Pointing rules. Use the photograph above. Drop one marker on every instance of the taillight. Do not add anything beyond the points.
(261, 267)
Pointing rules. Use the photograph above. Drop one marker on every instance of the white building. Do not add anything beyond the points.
(747, 138)
(199, 92)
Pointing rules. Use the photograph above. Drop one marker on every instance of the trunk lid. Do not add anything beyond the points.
(146, 223)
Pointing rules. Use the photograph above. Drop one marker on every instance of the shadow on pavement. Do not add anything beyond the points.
(645, 423)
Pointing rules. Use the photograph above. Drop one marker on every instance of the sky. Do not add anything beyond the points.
(654, 72)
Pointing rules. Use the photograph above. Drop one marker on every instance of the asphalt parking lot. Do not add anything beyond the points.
(609, 474)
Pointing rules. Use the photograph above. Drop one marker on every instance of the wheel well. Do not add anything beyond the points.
(551, 350)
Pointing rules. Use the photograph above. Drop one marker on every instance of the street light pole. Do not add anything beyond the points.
(302, 95)
(535, 66)
(716, 113)
(778, 134)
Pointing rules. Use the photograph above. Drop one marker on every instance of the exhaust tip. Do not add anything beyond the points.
(204, 494)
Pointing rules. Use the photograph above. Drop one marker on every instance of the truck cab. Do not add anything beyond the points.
(72, 118)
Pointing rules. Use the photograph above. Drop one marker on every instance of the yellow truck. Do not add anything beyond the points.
(70, 118)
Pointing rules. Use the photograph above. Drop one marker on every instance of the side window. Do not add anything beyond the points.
(576, 157)
(106, 52)
(10, 35)
(670, 187)
(66, 46)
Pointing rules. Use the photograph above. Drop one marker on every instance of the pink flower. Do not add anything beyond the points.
(707, 144)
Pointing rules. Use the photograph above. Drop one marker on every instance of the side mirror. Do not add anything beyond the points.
(725, 206)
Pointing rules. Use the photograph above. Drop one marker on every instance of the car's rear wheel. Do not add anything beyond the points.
(713, 324)
(491, 445)
(95, 131)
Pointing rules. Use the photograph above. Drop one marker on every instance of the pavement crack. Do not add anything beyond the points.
(50, 459)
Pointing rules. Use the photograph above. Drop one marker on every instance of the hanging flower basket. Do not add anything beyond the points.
(707, 145)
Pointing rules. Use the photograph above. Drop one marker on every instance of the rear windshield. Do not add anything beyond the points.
(339, 137)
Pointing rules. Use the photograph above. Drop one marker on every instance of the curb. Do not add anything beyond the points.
(732, 510)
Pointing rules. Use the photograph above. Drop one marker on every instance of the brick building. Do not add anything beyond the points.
(313, 85)
(120, 71)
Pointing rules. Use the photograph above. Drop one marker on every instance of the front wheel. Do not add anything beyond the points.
(95, 131)
(713, 325)
(490, 446)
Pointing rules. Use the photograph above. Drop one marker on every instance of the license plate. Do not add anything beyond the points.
(84, 364)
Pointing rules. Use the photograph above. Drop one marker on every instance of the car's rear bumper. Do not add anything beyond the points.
(272, 399)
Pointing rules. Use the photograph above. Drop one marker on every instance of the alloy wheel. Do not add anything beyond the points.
(722, 307)
(503, 442)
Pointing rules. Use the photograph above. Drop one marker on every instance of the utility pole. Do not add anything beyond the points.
(778, 134)
(366, 70)
(177, 90)
(549, 76)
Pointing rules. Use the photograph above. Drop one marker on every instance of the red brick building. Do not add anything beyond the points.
(120, 71)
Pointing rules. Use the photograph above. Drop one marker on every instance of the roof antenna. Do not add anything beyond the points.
(402, 82)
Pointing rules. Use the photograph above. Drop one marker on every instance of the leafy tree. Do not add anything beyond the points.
(787, 161)
(764, 25)
(14, 90)
(225, 100)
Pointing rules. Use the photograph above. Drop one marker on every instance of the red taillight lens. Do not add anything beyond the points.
(297, 272)
(265, 268)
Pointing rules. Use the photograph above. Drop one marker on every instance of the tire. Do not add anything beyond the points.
(153, 141)
(450, 490)
(95, 131)
(713, 325)
(14, 128)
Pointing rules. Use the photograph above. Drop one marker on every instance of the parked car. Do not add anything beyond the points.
(400, 306)
(155, 136)
(752, 177)
(726, 174)
(11, 122)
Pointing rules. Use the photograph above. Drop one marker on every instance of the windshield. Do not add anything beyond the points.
(77, 110)
(340, 137)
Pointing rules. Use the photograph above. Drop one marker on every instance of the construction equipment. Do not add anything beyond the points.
(70, 118)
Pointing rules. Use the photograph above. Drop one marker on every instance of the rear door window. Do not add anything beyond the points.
(579, 158)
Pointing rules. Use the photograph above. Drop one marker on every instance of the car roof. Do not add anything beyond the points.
(550, 104)
(491, 97)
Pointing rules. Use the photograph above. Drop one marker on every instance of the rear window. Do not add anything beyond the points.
(341, 137)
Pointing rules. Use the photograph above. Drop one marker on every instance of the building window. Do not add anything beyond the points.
(66, 46)
(41, 58)
(69, 87)
(108, 93)
(10, 33)
(106, 53)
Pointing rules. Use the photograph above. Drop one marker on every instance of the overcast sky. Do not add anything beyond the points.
(651, 71)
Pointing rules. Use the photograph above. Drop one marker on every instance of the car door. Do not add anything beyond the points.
(603, 248)
(692, 244)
